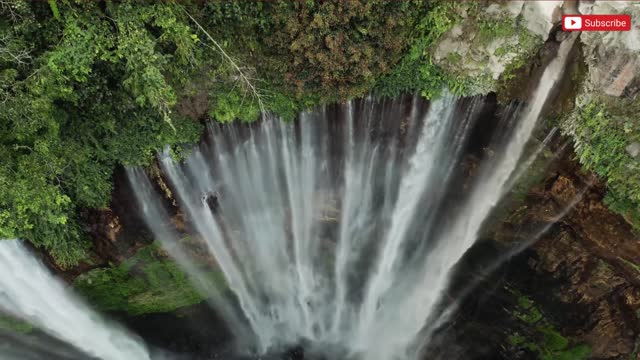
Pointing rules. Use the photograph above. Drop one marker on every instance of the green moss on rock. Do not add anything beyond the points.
(148, 282)
(602, 128)
(538, 335)
(490, 44)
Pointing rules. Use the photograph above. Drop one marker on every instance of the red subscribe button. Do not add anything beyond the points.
(596, 22)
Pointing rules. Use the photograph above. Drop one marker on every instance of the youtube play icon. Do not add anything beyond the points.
(572, 23)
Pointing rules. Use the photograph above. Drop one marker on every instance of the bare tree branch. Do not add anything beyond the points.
(229, 59)
(19, 56)
(8, 6)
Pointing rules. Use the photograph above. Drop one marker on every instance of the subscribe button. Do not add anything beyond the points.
(596, 22)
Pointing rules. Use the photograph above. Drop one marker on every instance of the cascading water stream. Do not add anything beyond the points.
(335, 230)
(28, 291)
(462, 231)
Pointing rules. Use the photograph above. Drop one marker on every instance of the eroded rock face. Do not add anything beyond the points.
(594, 257)
(105, 228)
(614, 66)
(486, 42)
(540, 16)
(498, 37)
(594, 283)
(633, 149)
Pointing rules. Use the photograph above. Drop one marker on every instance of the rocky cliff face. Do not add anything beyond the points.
(578, 281)
(589, 258)
(488, 43)
(493, 39)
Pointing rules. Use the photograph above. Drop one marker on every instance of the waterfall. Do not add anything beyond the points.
(29, 291)
(462, 231)
(337, 230)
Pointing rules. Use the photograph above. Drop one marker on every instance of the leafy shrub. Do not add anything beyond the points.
(416, 71)
(600, 142)
(336, 48)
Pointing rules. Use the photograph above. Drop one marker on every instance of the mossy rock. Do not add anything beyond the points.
(485, 49)
(148, 282)
(539, 336)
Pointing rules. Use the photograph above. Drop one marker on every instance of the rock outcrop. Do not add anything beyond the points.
(593, 257)
(486, 43)
(614, 64)
(490, 41)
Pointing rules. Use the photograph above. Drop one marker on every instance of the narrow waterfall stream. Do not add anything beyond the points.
(337, 232)
(29, 291)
